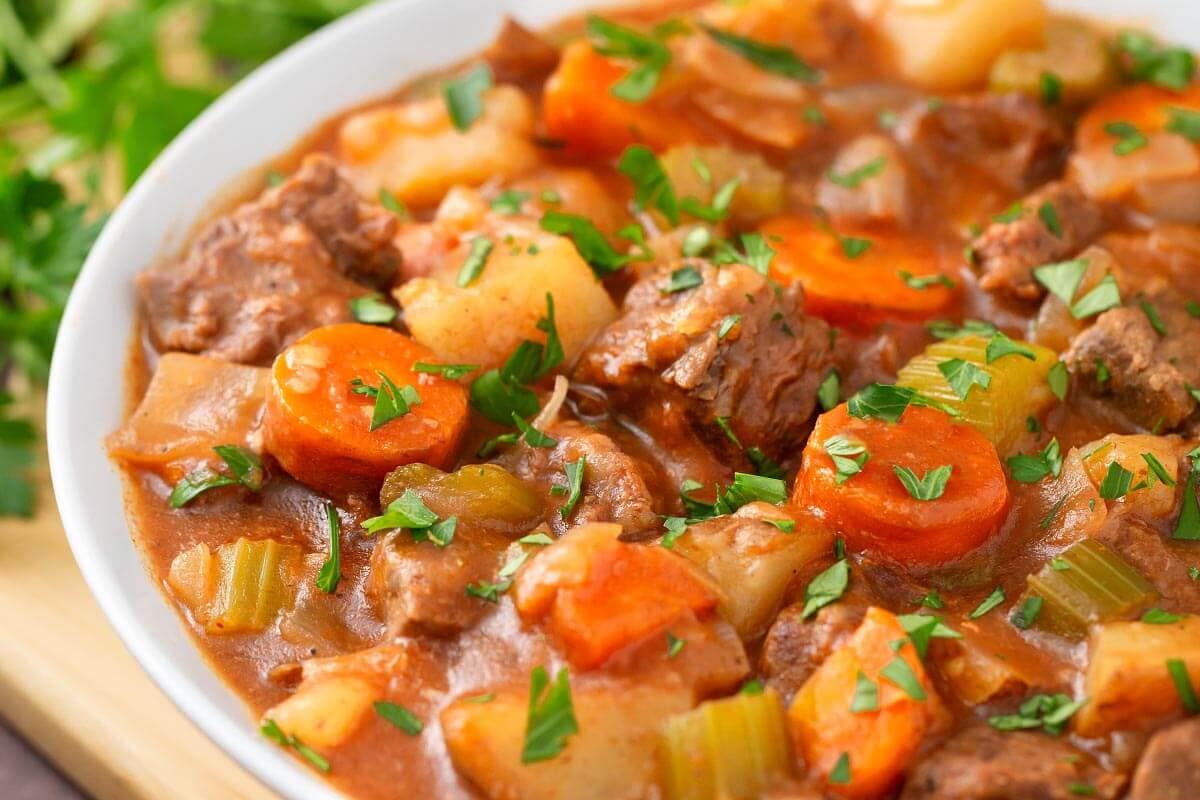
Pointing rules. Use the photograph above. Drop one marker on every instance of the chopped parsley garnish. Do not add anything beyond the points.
(758, 254)
(855, 177)
(1155, 320)
(1116, 482)
(472, 268)
(1143, 59)
(676, 527)
(840, 774)
(409, 511)
(331, 571)
(1031, 469)
(932, 600)
(509, 201)
(391, 401)
(1156, 616)
(245, 469)
(1000, 346)
(829, 393)
(1010, 214)
(930, 487)
(1177, 668)
(899, 672)
(769, 57)
(574, 471)
(392, 203)
(1059, 379)
(1062, 279)
(826, 588)
(923, 282)
(651, 55)
(372, 309)
(675, 645)
(1027, 612)
(848, 457)
(943, 329)
(272, 731)
(963, 376)
(1048, 712)
(491, 592)
(1048, 214)
(1050, 86)
(592, 245)
(500, 393)
(1188, 526)
(1129, 138)
(853, 246)
(866, 694)
(1157, 469)
(532, 436)
(651, 186)
(464, 95)
(922, 628)
(888, 402)
(813, 115)
(991, 601)
(448, 371)
(551, 716)
(1185, 122)
(1102, 373)
(727, 325)
(718, 209)
(682, 279)
(399, 716)
(696, 241)
(1102, 297)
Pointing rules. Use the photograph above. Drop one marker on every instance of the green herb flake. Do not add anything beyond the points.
(1156, 616)
(990, 602)
(855, 177)
(675, 645)
(574, 471)
(727, 325)
(899, 672)
(372, 309)
(675, 527)
(448, 371)
(826, 588)
(1152, 315)
(592, 245)
(649, 53)
(866, 694)
(924, 282)
(651, 186)
(1129, 138)
(848, 456)
(472, 268)
(531, 435)
(768, 57)
(330, 574)
(245, 469)
(1031, 469)
(1000, 346)
(1185, 122)
(1050, 87)
(1062, 279)
(400, 717)
(509, 201)
(1116, 482)
(551, 717)
(1059, 380)
(1178, 670)
(840, 774)
(682, 279)
(829, 393)
(464, 95)
(930, 487)
(1048, 214)
(1027, 612)
(963, 376)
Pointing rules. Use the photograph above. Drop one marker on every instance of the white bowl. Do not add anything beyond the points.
(362, 56)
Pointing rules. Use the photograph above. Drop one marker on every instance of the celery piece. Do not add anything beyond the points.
(256, 580)
(726, 749)
(1096, 585)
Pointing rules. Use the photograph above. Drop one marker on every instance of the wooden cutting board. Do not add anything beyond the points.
(70, 687)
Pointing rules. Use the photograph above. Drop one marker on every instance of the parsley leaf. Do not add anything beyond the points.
(472, 268)
(1143, 59)
(1177, 668)
(991, 601)
(1062, 279)
(1059, 380)
(409, 511)
(551, 716)
(1027, 612)
(532, 436)
(1000, 346)
(826, 588)
(391, 401)
(509, 201)
(829, 393)
(400, 717)
(593, 247)
(651, 55)
(899, 672)
(866, 694)
(855, 177)
(245, 468)
(372, 309)
(682, 279)
(651, 186)
(331, 571)
(574, 471)
(1103, 296)
(271, 730)
(888, 402)
(464, 95)
(1048, 214)
(1185, 122)
(930, 487)
(1048, 712)
(923, 282)
(963, 376)
(1156, 616)
(1031, 469)
(448, 371)
(842, 451)
(772, 58)
(1116, 482)
(840, 774)
(1188, 526)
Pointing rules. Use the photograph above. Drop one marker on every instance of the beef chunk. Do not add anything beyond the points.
(1152, 555)
(980, 763)
(1170, 766)
(422, 587)
(1007, 252)
(794, 647)
(614, 483)
(1010, 138)
(1144, 374)
(259, 278)
(762, 374)
(518, 55)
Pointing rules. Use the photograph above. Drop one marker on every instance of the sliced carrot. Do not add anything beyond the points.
(579, 108)
(599, 595)
(1143, 105)
(867, 287)
(318, 427)
(878, 743)
(875, 511)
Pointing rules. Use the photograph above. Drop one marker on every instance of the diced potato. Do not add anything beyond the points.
(192, 404)
(950, 45)
(752, 561)
(414, 151)
(1074, 52)
(484, 322)
(571, 191)
(1147, 494)
(612, 756)
(1018, 387)
(1127, 683)
(241, 587)
(761, 192)
(326, 712)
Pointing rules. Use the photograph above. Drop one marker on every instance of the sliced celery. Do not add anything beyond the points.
(1088, 583)
(480, 495)
(1015, 390)
(256, 580)
(729, 749)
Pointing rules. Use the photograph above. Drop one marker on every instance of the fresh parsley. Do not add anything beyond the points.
(477, 256)
(649, 53)
(930, 487)
(464, 95)
(551, 717)
(400, 717)
(331, 571)
(1031, 469)
(245, 469)
(826, 588)
(964, 376)
(991, 601)
(372, 309)
(849, 456)
(391, 401)
(769, 57)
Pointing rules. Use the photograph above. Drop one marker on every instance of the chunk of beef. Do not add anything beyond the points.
(1007, 252)
(1170, 766)
(980, 763)
(795, 647)
(1145, 374)
(614, 483)
(518, 55)
(1009, 138)
(422, 587)
(259, 278)
(1152, 555)
(762, 374)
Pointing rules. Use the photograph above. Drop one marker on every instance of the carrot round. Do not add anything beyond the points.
(874, 510)
(865, 289)
(319, 428)
(1143, 105)
(878, 742)
(579, 108)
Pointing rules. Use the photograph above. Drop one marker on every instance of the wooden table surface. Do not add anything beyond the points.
(69, 686)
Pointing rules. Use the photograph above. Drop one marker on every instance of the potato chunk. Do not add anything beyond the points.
(325, 713)
(613, 756)
(1147, 494)
(1127, 681)
(414, 151)
(950, 44)
(484, 322)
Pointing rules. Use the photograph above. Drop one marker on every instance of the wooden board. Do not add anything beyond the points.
(70, 687)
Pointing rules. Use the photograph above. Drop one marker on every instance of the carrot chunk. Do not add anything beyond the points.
(579, 108)
(1144, 106)
(599, 594)
(859, 276)
(873, 508)
(879, 738)
(321, 407)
